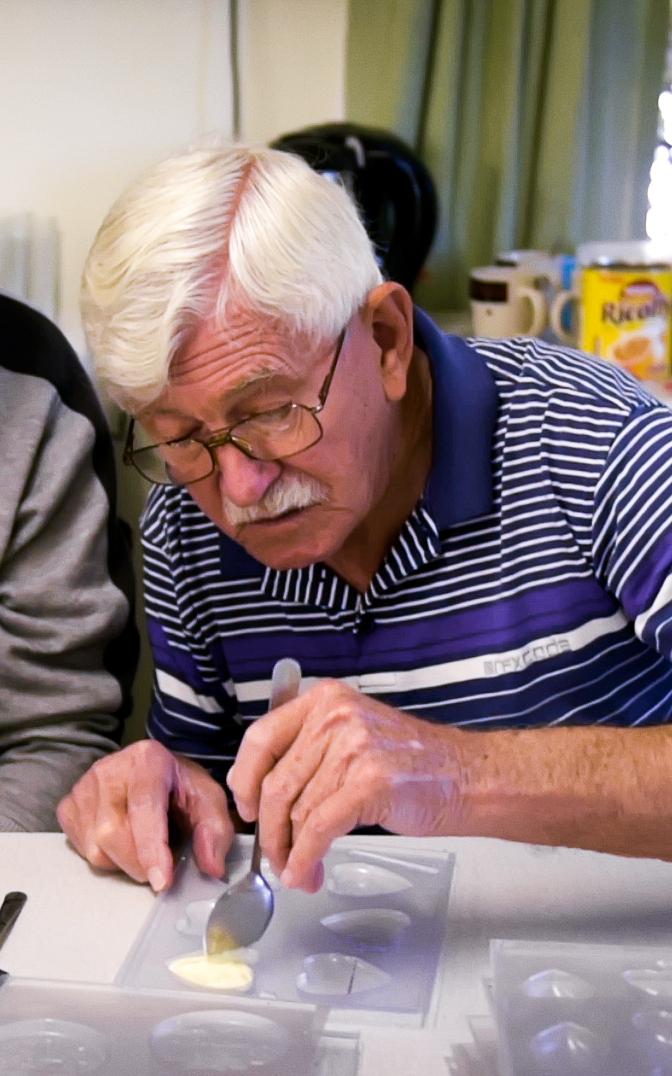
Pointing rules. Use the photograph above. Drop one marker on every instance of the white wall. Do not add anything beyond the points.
(292, 65)
(92, 92)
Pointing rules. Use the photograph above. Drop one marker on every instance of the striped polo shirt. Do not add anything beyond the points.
(530, 586)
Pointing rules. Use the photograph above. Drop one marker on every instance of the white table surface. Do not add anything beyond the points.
(78, 924)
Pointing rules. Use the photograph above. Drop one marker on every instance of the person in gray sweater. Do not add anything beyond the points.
(68, 643)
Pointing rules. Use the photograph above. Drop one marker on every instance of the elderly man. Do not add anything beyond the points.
(466, 544)
(68, 644)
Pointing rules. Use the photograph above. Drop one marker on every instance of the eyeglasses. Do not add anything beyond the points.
(266, 435)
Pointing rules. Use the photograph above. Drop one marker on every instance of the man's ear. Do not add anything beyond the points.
(389, 313)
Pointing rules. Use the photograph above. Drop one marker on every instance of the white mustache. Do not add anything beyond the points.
(287, 494)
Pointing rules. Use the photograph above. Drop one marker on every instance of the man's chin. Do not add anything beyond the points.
(281, 543)
(281, 560)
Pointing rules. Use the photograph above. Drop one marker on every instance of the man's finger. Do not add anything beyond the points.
(69, 821)
(264, 743)
(147, 801)
(334, 817)
(94, 819)
(210, 843)
(120, 791)
(292, 776)
(275, 831)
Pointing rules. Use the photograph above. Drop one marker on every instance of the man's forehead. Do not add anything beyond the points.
(168, 404)
(232, 339)
(230, 360)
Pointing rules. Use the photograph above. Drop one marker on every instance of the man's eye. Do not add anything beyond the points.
(275, 417)
(182, 443)
(184, 449)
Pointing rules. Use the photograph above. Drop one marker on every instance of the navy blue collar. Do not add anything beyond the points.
(459, 486)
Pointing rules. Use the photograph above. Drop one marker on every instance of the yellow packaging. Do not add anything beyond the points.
(626, 316)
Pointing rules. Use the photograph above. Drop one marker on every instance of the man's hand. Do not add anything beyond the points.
(116, 816)
(334, 759)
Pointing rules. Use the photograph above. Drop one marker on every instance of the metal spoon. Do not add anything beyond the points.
(9, 913)
(243, 912)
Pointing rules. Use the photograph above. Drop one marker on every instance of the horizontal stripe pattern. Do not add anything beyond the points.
(553, 606)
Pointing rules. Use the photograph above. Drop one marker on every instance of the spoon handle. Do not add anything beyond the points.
(285, 684)
(255, 863)
(9, 912)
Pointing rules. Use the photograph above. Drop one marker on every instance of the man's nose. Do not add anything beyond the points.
(242, 480)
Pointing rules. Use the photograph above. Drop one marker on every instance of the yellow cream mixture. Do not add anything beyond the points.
(214, 972)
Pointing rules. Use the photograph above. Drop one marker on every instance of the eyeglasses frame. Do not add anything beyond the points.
(226, 434)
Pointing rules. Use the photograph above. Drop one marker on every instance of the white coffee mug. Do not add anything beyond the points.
(561, 312)
(540, 262)
(505, 302)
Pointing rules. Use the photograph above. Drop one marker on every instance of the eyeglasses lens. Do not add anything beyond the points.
(271, 436)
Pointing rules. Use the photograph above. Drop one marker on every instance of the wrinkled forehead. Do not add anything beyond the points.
(231, 359)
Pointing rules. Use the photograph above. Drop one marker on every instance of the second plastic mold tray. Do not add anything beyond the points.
(79, 1028)
(370, 939)
(602, 1010)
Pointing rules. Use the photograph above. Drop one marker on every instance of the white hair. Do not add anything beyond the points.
(203, 229)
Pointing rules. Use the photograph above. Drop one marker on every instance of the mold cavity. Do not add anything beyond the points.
(364, 880)
(375, 928)
(195, 917)
(657, 1023)
(219, 1041)
(565, 1048)
(656, 982)
(554, 983)
(45, 1045)
(227, 971)
(337, 975)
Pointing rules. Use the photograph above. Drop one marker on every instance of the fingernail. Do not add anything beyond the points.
(287, 878)
(157, 879)
(318, 875)
(216, 843)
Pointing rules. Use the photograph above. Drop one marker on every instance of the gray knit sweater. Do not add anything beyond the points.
(68, 645)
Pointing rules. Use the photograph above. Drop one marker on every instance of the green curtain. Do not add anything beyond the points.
(536, 118)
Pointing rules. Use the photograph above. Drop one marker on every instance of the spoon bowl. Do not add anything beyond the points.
(243, 912)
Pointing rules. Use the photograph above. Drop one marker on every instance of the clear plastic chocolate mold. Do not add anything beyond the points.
(338, 975)
(364, 880)
(554, 983)
(655, 982)
(296, 930)
(212, 1041)
(196, 914)
(653, 1038)
(372, 928)
(657, 1021)
(567, 1048)
(44, 1046)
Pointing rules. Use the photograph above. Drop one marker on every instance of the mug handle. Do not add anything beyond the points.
(538, 303)
(557, 307)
